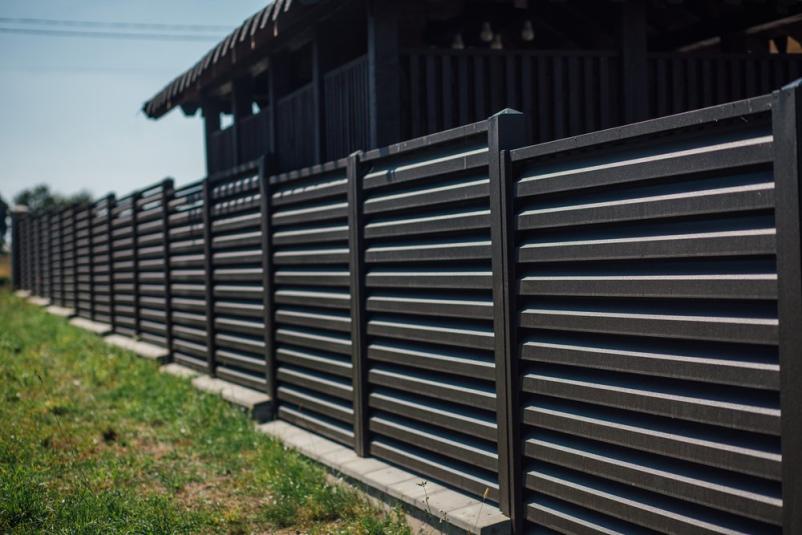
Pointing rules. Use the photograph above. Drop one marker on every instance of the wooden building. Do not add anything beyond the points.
(308, 81)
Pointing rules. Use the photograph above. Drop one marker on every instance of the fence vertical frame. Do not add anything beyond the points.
(209, 274)
(17, 215)
(135, 259)
(91, 238)
(63, 296)
(74, 227)
(267, 283)
(112, 202)
(506, 130)
(787, 125)
(356, 245)
(167, 194)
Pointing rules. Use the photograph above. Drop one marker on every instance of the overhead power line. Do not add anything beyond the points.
(29, 21)
(111, 35)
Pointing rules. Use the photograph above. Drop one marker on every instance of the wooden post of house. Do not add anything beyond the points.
(241, 107)
(319, 97)
(384, 92)
(634, 83)
(211, 124)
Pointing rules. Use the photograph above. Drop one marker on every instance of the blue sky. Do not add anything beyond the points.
(70, 107)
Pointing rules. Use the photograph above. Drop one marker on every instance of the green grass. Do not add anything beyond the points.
(95, 440)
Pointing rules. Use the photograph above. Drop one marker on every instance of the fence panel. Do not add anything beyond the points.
(55, 279)
(44, 255)
(429, 306)
(83, 265)
(124, 266)
(237, 265)
(152, 264)
(188, 277)
(648, 326)
(101, 260)
(68, 255)
(309, 227)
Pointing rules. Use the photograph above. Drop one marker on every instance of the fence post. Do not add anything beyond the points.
(167, 194)
(209, 274)
(135, 259)
(507, 130)
(75, 277)
(62, 214)
(17, 214)
(787, 124)
(267, 283)
(112, 201)
(356, 245)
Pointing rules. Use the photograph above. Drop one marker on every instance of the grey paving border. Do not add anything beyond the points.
(255, 402)
(39, 301)
(446, 509)
(62, 312)
(100, 329)
(143, 349)
(22, 294)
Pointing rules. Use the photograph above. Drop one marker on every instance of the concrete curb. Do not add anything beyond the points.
(256, 403)
(60, 311)
(101, 329)
(446, 509)
(179, 371)
(143, 349)
(38, 301)
(22, 294)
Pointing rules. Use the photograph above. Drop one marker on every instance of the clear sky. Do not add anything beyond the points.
(70, 107)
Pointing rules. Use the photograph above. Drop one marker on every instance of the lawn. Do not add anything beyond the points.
(96, 440)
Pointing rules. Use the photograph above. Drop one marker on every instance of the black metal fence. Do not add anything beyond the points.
(600, 333)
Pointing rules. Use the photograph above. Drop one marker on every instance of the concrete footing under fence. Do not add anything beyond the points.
(446, 509)
(143, 349)
(101, 329)
(256, 403)
(39, 301)
(60, 311)
(22, 294)
(179, 371)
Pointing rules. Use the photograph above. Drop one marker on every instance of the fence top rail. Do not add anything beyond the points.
(426, 141)
(689, 119)
(312, 170)
(239, 171)
(724, 56)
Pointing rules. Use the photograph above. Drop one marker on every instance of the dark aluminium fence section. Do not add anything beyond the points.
(152, 255)
(237, 307)
(600, 334)
(124, 266)
(187, 276)
(311, 294)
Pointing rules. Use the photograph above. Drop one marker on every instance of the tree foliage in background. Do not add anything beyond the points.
(3, 224)
(39, 199)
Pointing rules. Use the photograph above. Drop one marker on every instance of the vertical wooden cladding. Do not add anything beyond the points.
(124, 270)
(561, 93)
(295, 115)
(429, 308)
(649, 326)
(236, 279)
(100, 264)
(83, 262)
(346, 104)
(311, 299)
(152, 263)
(187, 276)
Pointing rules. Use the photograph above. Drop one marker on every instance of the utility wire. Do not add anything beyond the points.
(111, 35)
(120, 25)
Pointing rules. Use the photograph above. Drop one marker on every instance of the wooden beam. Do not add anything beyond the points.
(633, 61)
(384, 92)
(211, 124)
